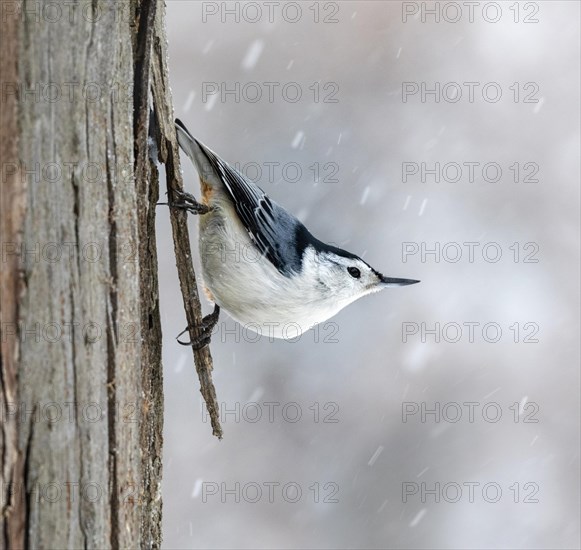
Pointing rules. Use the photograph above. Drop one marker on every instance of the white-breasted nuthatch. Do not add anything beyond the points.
(259, 262)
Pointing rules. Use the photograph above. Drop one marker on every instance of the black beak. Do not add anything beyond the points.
(390, 281)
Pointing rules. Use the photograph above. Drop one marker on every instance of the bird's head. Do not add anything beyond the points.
(345, 277)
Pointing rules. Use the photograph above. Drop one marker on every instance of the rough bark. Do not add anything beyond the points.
(81, 395)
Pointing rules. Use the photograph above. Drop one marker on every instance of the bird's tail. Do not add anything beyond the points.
(199, 154)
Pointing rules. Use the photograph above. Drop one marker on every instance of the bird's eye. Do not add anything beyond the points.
(354, 272)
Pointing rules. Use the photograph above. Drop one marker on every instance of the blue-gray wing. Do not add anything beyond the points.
(272, 229)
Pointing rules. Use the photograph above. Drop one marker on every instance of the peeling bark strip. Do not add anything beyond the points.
(169, 155)
(81, 379)
(12, 211)
(147, 185)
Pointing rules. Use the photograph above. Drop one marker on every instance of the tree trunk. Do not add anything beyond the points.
(81, 379)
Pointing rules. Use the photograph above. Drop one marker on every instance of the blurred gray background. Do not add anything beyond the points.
(367, 373)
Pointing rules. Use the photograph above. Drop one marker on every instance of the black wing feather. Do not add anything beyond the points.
(272, 229)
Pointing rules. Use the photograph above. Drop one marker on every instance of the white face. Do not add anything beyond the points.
(346, 279)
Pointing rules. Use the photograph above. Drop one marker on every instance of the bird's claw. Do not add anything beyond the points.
(186, 201)
(206, 328)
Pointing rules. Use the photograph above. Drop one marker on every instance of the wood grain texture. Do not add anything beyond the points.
(81, 296)
(12, 211)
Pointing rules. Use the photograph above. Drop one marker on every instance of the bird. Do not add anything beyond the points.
(259, 262)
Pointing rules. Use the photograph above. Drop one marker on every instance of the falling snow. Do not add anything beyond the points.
(189, 101)
(418, 517)
(488, 395)
(211, 102)
(297, 140)
(256, 395)
(253, 54)
(365, 194)
(375, 456)
(423, 207)
(522, 404)
(180, 363)
(197, 488)
(384, 504)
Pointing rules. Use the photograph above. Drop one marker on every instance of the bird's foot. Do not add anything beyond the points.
(207, 326)
(187, 201)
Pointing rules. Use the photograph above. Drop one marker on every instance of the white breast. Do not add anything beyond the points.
(250, 288)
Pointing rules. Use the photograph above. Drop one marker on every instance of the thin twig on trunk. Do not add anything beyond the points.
(169, 154)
